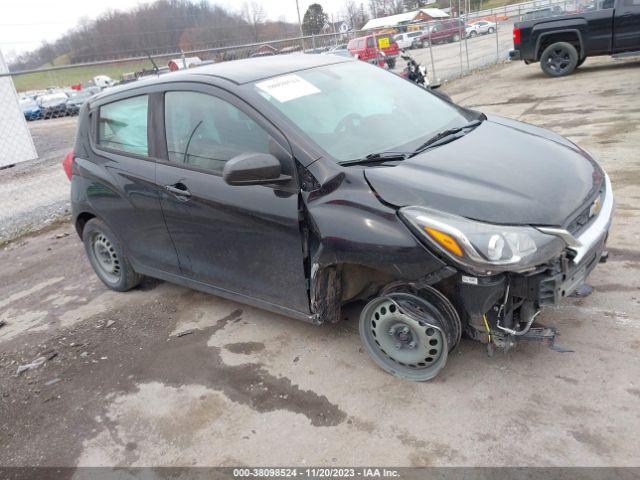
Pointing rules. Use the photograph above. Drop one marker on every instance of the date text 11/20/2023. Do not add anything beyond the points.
(315, 473)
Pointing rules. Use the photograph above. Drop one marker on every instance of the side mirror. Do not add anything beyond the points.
(253, 169)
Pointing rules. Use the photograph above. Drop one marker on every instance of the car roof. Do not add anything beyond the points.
(238, 71)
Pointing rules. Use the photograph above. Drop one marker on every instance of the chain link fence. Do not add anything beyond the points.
(37, 192)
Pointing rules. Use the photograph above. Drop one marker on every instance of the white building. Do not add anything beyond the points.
(394, 21)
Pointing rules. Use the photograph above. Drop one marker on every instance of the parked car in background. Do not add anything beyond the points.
(103, 81)
(53, 105)
(76, 100)
(481, 27)
(30, 108)
(339, 53)
(376, 49)
(341, 46)
(408, 39)
(444, 31)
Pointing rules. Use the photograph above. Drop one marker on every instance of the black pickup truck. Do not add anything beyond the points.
(562, 42)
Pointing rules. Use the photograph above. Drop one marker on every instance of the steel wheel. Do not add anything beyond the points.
(405, 340)
(106, 257)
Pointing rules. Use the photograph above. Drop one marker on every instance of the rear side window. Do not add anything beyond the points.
(123, 125)
(205, 131)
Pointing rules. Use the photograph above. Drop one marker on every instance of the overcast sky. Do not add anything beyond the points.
(24, 24)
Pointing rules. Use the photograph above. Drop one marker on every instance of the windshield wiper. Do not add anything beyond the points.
(445, 136)
(376, 158)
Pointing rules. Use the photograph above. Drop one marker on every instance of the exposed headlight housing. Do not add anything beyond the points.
(483, 248)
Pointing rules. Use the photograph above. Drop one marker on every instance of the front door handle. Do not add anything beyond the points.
(626, 14)
(179, 190)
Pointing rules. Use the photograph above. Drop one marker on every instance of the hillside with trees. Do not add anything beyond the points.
(157, 28)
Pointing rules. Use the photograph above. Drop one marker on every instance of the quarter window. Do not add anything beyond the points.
(204, 131)
(123, 125)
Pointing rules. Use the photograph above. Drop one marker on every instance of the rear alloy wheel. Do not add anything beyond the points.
(107, 257)
(559, 59)
(491, 30)
(410, 336)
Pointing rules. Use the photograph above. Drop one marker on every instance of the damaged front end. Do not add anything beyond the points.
(426, 276)
(501, 308)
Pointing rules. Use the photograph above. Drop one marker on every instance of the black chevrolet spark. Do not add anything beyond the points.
(301, 183)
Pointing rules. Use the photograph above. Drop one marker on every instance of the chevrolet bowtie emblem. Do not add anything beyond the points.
(595, 207)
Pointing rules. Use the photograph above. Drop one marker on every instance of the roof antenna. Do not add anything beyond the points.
(155, 67)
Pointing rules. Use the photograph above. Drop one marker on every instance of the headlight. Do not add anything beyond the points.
(483, 247)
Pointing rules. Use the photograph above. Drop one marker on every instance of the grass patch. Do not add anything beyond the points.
(72, 76)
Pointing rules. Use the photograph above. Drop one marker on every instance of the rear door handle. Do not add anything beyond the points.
(179, 190)
(626, 14)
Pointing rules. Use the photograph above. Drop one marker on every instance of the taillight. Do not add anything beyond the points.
(516, 35)
(67, 163)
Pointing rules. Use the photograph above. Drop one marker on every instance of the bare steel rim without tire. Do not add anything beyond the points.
(408, 336)
(106, 257)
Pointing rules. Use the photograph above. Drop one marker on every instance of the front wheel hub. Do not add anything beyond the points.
(408, 336)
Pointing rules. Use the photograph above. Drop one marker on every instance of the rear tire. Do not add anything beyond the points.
(491, 30)
(559, 59)
(107, 257)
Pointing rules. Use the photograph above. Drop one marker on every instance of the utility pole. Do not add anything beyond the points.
(299, 21)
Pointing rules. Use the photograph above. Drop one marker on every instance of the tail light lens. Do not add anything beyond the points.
(516, 36)
(67, 164)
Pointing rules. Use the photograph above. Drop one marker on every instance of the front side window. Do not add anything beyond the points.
(353, 109)
(123, 125)
(205, 131)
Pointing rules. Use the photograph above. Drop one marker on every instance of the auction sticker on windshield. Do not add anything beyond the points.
(287, 87)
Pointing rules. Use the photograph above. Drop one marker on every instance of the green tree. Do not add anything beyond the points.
(314, 19)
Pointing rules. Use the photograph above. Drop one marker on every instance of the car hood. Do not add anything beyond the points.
(503, 171)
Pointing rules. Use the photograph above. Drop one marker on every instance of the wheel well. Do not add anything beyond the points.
(569, 37)
(360, 282)
(82, 220)
(336, 284)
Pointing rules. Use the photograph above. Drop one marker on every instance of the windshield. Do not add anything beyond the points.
(354, 109)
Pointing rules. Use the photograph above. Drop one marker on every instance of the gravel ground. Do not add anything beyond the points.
(36, 193)
(163, 375)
